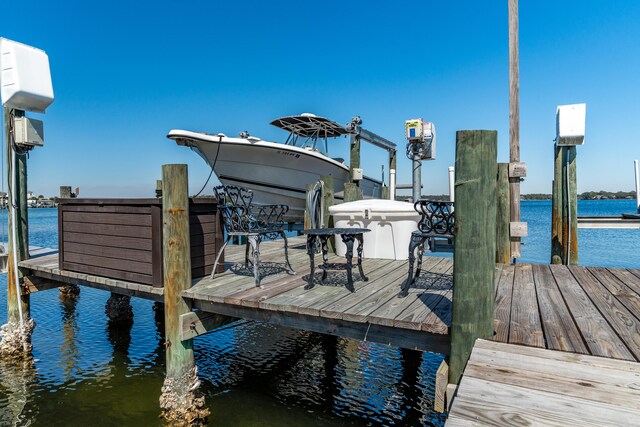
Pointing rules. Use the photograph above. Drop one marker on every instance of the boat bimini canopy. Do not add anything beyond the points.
(310, 126)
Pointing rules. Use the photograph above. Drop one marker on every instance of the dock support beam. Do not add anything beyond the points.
(475, 245)
(180, 401)
(16, 333)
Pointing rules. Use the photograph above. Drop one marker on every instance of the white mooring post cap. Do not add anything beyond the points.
(25, 82)
(570, 124)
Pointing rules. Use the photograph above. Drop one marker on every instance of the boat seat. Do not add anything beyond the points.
(256, 222)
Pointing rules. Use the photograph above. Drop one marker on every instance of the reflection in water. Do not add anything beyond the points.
(16, 388)
(69, 348)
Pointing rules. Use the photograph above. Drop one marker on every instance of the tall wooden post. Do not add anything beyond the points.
(570, 208)
(328, 200)
(557, 251)
(475, 245)
(19, 215)
(71, 290)
(503, 244)
(65, 192)
(352, 191)
(181, 376)
(514, 120)
(17, 340)
(564, 216)
(354, 155)
(177, 266)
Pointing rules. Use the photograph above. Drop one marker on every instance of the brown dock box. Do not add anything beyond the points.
(122, 238)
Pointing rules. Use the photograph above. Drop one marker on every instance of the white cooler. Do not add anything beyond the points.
(391, 224)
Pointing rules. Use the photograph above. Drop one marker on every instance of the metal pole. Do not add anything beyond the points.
(635, 164)
(451, 184)
(417, 181)
(392, 184)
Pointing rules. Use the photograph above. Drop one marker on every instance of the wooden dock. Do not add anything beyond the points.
(516, 385)
(588, 310)
(374, 313)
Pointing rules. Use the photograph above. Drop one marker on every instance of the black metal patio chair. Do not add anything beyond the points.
(256, 222)
(437, 220)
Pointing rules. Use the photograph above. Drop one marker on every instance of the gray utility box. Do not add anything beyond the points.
(29, 132)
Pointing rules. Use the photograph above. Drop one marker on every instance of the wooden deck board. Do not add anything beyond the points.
(505, 384)
(560, 331)
(502, 310)
(599, 335)
(526, 327)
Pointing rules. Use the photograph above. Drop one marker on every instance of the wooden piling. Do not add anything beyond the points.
(564, 208)
(572, 202)
(65, 192)
(352, 192)
(557, 251)
(178, 398)
(474, 249)
(19, 214)
(69, 290)
(328, 199)
(354, 156)
(503, 244)
(177, 266)
(514, 119)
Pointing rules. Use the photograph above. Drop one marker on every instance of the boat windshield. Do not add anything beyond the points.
(309, 130)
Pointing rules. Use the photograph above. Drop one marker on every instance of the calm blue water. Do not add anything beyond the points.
(254, 374)
(601, 247)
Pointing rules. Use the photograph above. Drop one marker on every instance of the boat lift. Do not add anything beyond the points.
(357, 133)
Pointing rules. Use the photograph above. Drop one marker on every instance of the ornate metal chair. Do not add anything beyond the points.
(436, 221)
(256, 222)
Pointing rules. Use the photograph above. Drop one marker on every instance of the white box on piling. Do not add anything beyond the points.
(391, 224)
(570, 124)
(25, 79)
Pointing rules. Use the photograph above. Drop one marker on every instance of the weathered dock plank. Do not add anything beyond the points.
(526, 327)
(506, 384)
(560, 331)
(599, 335)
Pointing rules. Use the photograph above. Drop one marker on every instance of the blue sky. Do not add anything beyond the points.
(125, 73)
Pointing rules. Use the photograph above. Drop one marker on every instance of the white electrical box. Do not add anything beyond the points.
(25, 82)
(570, 124)
(358, 174)
(28, 132)
(429, 134)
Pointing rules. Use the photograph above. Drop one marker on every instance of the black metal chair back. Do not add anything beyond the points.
(241, 218)
(437, 217)
(436, 221)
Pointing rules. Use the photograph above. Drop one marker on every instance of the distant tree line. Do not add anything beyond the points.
(587, 195)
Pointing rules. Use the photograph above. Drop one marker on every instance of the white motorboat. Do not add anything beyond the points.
(278, 173)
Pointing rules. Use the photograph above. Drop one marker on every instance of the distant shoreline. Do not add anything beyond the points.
(587, 195)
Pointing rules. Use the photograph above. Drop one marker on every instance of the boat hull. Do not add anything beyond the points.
(276, 173)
